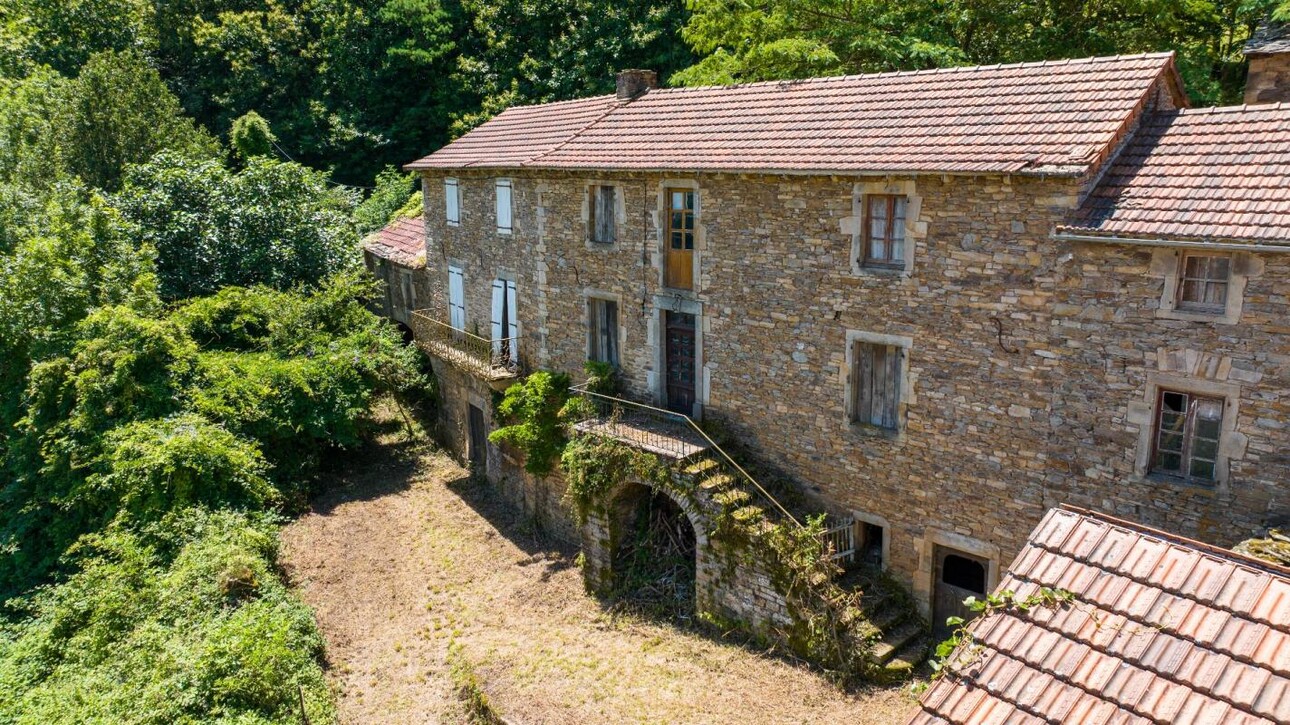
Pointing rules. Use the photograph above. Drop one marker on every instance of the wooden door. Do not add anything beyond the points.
(679, 339)
(477, 446)
(678, 242)
(958, 576)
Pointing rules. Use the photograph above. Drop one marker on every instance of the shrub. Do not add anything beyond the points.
(143, 631)
(531, 410)
(154, 467)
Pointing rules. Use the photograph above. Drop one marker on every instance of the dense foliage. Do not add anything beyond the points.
(183, 342)
(777, 39)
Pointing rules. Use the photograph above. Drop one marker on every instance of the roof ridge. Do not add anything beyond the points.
(565, 102)
(1236, 556)
(921, 71)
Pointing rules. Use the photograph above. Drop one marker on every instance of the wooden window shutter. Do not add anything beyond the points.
(877, 384)
(602, 212)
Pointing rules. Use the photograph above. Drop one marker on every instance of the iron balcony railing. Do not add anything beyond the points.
(489, 359)
(667, 433)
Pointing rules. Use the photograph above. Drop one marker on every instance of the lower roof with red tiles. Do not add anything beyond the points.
(402, 242)
(1160, 629)
(1205, 174)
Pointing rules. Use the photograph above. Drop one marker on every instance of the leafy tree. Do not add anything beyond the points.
(272, 223)
(391, 198)
(251, 136)
(778, 39)
(64, 34)
(118, 112)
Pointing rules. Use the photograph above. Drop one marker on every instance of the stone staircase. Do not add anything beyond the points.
(903, 641)
(722, 488)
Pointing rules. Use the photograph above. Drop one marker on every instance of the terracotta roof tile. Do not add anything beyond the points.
(403, 242)
(1197, 174)
(1052, 117)
(1160, 630)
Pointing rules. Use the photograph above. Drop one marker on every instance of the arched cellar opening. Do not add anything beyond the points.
(406, 332)
(654, 555)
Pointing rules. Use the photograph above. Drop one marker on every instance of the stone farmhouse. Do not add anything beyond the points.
(943, 302)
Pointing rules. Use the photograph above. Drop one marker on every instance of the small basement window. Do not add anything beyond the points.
(1203, 283)
(869, 550)
(602, 224)
(1188, 429)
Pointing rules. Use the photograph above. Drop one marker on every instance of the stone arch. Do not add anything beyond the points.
(634, 514)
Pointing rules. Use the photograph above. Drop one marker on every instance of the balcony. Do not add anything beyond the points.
(491, 360)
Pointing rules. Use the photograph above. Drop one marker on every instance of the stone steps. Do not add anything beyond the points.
(895, 639)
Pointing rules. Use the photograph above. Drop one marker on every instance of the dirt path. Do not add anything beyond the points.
(406, 558)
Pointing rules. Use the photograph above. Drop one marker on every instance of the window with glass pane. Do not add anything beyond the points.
(1188, 428)
(680, 223)
(884, 231)
(1202, 286)
(602, 330)
(602, 222)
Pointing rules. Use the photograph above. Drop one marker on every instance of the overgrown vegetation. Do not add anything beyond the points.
(958, 651)
(183, 343)
(534, 422)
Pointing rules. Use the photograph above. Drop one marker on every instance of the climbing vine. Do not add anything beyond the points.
(1005, 601)
(594, 464)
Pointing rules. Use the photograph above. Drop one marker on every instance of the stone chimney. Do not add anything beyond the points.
(1268, 53)
(634, 83)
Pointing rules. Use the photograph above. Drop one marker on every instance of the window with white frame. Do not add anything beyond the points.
(504, 208)
(602, 330)
(452, 202)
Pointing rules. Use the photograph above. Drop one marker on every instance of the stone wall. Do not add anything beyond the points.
(1269, 78)
(1029, 360)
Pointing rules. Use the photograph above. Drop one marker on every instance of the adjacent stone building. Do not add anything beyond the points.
(943, 301)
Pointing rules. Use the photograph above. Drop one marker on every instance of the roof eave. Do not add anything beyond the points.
(1234, 244)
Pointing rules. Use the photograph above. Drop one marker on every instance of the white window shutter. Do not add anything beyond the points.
(456, 299)
(512, 317)
(499, 299)
(504, 206)
(452, 201)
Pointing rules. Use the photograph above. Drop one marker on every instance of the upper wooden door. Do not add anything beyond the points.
(681, 363)
(678, 268)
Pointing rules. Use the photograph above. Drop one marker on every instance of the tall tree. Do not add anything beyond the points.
(776, 39)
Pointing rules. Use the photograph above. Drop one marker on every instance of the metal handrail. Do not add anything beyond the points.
(499, 354)
(582, 390)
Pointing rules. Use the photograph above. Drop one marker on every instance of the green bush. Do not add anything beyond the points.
(531, 411)
(147, 630)
(155, 467)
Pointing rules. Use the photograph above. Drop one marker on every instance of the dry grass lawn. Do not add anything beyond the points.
(404, 558)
